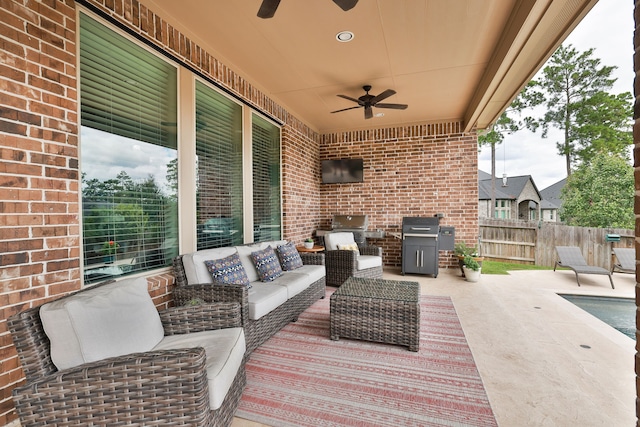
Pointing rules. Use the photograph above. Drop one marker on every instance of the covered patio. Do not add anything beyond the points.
(456, 65)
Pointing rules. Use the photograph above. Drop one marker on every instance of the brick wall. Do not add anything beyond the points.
(39, 230)
(410, 171)
(39, 188)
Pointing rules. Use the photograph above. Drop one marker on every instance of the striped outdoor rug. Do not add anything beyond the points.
(300, 377)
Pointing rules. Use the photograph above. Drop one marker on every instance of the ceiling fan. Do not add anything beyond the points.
(268, 7)
(369, 101)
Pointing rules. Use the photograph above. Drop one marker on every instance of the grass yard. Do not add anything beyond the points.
(495, 267)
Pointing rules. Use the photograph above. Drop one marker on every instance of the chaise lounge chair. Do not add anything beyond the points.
(626, 260)
(571, 257)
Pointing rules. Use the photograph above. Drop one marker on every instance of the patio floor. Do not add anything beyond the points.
(528, 345)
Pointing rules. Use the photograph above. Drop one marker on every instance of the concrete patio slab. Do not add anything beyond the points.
(544, 361)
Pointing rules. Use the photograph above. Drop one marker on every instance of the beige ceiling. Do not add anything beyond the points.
(447, 59)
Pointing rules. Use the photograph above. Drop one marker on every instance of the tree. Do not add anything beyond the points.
(600, 194)
(573, 88)
(603, 125)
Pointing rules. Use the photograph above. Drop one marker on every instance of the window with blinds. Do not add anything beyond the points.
(266, 180)
(128, 155)
(219, 194)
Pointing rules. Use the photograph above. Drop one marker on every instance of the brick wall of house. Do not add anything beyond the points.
(39, 186)
(417, 170)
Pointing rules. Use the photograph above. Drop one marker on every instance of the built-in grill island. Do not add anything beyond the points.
(357, 224)
(422, 240)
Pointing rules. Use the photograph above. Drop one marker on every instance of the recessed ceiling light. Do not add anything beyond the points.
(379, 115)
(344, 36)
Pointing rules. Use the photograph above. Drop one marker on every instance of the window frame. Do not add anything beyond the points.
(186, 146)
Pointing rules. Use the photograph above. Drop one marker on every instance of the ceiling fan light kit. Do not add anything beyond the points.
(368, 101)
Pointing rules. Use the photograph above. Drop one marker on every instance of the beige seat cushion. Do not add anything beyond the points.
(111, 320)
(368, 261)
(314, 272)
(265, 297)
(225, 350)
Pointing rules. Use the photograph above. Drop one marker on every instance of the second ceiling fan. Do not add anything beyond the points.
(369, 101)
(268, 7)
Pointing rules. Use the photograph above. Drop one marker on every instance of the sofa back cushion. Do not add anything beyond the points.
(332, 240)
(194, 267)
(196, 271)
(110, 320)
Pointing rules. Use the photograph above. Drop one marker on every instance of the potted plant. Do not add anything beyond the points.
(461, 250)
(109, 250)
(308, 243)
(471, 269)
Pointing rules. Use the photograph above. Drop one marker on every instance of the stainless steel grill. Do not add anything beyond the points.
(357, 224)
(422, 240)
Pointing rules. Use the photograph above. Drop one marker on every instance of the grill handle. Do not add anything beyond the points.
(433, 236)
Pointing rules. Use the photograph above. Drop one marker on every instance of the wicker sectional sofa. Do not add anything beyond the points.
(266, 307)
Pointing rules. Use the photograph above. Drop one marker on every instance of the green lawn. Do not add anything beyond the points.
(495, 267)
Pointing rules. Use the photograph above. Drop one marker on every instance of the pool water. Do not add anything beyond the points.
(619, 313)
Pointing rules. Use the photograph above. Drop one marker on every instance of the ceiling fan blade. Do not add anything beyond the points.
(345, 109)
(368, 112)
(346, 4)
(393, 106)
(384, 95)
(268, 8)
(350, 98)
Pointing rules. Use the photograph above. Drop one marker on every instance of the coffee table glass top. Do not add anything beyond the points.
(380, 289)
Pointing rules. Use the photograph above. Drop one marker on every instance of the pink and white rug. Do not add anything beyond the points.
(300, 377)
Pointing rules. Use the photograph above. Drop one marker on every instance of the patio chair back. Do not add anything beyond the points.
(626, 259)
(570, 255)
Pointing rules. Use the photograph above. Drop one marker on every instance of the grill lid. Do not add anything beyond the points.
(428, 224)
(350, 222)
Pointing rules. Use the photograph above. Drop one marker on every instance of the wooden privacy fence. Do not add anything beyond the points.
(534, 242)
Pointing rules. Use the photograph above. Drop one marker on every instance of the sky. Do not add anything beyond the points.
(608, 28)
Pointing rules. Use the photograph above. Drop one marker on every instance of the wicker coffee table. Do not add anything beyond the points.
(377, 310)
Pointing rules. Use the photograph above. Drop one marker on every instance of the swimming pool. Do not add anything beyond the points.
(619, 313)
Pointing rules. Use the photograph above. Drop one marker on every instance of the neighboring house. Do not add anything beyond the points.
(517, 197)
(551, 201)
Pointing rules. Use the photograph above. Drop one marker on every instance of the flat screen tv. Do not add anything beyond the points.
(342, 170)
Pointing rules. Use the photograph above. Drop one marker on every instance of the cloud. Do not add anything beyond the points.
(104, 156)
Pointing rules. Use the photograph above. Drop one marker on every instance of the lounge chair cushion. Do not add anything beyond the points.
(225, 350)
(111, 320)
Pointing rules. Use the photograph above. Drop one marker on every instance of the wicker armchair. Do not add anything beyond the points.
(342, 264)
(155, 388)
